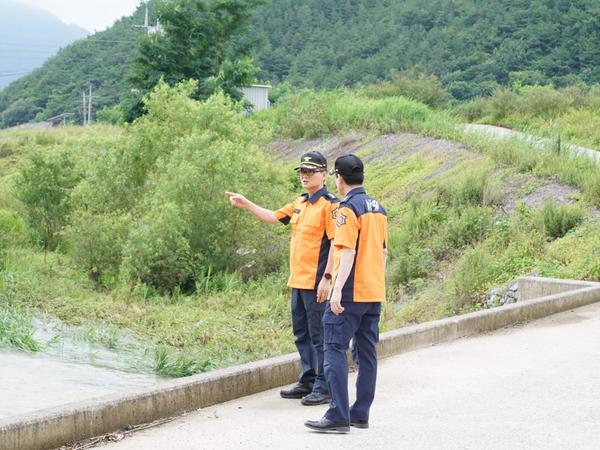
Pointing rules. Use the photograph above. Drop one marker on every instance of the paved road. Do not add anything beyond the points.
(536, 141)
(536, 386)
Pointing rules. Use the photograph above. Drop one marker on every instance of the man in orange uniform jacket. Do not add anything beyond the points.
(355, 304)
(311, 260)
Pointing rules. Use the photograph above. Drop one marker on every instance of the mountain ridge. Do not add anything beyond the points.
(29, 36)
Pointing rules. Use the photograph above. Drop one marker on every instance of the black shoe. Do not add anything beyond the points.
(358, 423)
(327, 426)
(316, 398)
(298, 391)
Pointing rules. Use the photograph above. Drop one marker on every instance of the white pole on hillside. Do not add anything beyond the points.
(89, 120)
(84, 109)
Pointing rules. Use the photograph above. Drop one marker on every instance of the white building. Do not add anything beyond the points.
(258, 95)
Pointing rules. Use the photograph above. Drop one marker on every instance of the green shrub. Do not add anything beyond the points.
(467, 226)
(478, 187)
(556, 221)
(503, 103)
(112, 115)
(12, 230)
(157, 251)
(411, 263)
(474, 110)
(423, 218)
(592, 187)
(96, 242)
(423, 88)
(44, 184)
(474, 273)
(544, 101)
(312, 114)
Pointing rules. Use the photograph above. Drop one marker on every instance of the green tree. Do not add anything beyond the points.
(21, 111)
(44, 185)
(204, 40)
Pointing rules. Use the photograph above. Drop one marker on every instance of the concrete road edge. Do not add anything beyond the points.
(74, 422)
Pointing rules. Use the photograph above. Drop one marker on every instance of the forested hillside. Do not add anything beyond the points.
(471, 45)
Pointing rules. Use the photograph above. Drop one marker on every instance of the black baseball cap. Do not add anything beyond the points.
(348, 165)
(312, 160)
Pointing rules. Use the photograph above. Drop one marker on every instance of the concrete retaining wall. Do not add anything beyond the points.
(535, 287)
(57, 426)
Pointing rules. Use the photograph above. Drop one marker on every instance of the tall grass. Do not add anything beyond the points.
(577, 171)
(571, 112)
(312, 114)
(17, 329)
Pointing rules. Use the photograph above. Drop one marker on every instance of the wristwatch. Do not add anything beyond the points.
(327, 276)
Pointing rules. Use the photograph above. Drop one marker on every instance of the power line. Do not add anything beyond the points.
(87, 40)
(6, 75)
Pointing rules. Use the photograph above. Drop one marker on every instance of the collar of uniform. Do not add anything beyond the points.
(353, 192)
(317, 195)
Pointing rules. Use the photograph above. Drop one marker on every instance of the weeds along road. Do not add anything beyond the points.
(540, 142)
(533, 386)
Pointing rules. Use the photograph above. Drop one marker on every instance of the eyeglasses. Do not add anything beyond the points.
(309, 172)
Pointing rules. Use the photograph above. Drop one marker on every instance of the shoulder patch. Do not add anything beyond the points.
(372, 205)
(341, 219)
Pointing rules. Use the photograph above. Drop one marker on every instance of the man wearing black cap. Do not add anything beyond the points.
(355, 304)
(311, 217)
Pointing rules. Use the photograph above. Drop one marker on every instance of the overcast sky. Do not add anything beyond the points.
(93, 15)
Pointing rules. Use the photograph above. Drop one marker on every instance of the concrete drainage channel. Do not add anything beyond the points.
(74, 422)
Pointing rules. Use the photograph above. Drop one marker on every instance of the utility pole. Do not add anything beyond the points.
(84, 109)
(89, 121)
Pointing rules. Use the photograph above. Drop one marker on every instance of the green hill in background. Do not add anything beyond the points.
(473, 46)
(103, 59)
(28, 36)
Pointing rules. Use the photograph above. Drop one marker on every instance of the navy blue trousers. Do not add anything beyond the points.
(361, 321)
(307, 323)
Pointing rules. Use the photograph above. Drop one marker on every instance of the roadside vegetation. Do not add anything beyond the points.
(127, 228)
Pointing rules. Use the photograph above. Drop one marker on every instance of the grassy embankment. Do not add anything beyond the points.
(450, 241)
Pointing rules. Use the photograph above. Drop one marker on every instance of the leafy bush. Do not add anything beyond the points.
(173, 167)
(96, 242)
(556, 221)
(112, 115)
(157, 251)
(474, 110)
(423, 88)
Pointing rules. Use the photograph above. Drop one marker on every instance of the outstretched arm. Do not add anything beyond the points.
(239, 201)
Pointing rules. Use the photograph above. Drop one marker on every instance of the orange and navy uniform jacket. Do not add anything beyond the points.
(313, 226)
(361, 224)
